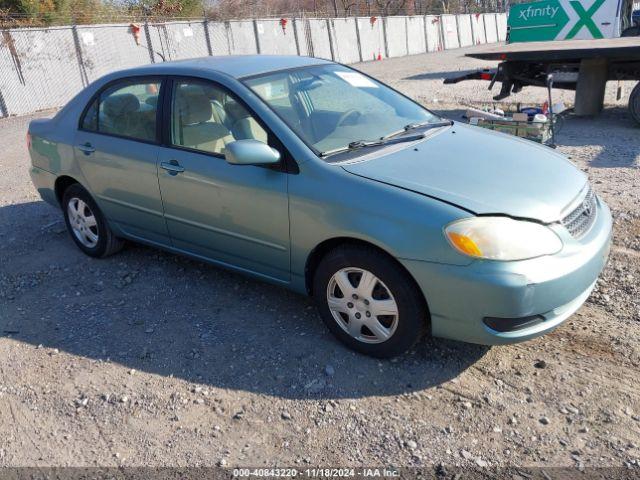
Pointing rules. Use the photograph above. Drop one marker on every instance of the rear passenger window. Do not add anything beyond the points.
(125, 109)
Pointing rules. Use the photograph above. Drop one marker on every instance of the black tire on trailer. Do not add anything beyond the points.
(634, 104)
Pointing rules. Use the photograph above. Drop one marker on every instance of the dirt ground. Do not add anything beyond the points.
(150, 359)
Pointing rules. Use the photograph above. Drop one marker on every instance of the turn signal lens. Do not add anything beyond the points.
(464, 244)
(502, 238)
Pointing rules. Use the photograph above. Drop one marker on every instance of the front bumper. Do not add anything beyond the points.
(553, 287)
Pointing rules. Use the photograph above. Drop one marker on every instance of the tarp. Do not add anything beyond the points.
(344, 39)
(371, 38)
(433, 25)
(27, 58)
(276, 37)
(185, 40)
(477, 25)
(465, 34)
(242, 39)
(501, 23)
(320, 38)
(304, 37)
(450, 31)
(396, 32)
(490, 27)
(416, 40)
(219, 38)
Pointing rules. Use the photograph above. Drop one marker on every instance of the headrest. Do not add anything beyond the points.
(121, 104)
(194, 107)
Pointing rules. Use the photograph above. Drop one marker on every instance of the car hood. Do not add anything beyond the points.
(479, 170)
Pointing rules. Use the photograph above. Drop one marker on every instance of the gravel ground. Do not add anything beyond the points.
(146, 358)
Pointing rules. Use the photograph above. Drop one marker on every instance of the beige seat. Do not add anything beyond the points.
(196, 127)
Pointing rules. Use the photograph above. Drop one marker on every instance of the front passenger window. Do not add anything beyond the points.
(206, 118)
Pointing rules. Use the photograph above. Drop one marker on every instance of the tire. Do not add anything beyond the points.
(391, 284)
(634, 104)
(98, 240)
(631, 32)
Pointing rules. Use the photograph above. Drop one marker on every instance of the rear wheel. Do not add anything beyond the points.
(369, 302)
(86, 224)
(634, 104)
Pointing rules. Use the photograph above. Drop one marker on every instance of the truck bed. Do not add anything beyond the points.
(627, 48)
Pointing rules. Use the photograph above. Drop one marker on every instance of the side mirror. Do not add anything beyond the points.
(250, 152)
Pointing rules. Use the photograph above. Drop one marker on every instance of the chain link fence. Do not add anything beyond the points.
(42, 68)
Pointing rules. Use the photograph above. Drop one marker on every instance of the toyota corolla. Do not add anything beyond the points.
(319, 178)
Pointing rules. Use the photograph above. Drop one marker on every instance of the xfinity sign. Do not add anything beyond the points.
(562, 19)
(547, 11)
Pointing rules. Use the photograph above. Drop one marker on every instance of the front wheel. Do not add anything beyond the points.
(369, 302)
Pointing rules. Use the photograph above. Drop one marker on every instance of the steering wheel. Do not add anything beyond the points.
(346, 115)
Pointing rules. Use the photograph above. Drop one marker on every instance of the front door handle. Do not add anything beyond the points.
(87, 148)
(173, 167)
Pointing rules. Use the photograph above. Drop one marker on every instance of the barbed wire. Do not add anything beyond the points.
(90, 16)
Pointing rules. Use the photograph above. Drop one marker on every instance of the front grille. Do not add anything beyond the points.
(581, 219)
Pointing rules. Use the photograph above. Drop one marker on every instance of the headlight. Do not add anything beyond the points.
(502, 238)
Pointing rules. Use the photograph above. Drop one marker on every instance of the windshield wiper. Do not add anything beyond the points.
(391, 138)
(414, 126)
(373, 143)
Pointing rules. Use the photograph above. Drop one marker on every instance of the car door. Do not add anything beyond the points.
(235, 215)
(116, 148)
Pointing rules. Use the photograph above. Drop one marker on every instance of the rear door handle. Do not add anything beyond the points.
(87, 148)
(173, 167)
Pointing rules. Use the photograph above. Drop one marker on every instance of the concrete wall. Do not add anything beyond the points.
(490, 27)
(371, 38)
(344, 38)
(320, 38)
(416, 35)
(477, 25)
(42, 68)
(450, 31)
(465, 33)
(396, 34)
(273, 39)
(433, 26)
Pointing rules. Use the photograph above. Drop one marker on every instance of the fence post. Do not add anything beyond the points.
(358, 39)
(406, 33)
(294, 26)
(256, 36)
(333, 56)
(384, 36)
(207, 38)
(76, 42)
(426, 35)
(147, 35)
(4, 111)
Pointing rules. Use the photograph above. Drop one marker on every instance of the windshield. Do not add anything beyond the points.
(331, 106)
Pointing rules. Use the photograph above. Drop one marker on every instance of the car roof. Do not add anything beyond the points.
(236, 66)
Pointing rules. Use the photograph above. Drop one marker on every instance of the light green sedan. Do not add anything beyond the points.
(316, 177)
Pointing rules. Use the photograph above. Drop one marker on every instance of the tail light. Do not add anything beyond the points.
(28, 140)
